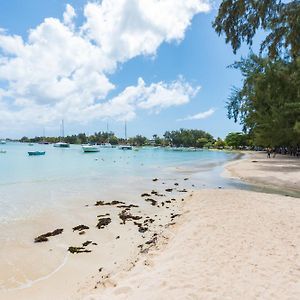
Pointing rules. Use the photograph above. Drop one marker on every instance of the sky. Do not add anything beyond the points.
(156, 64)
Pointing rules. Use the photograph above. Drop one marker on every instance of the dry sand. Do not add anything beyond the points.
(228, 244)
(281, 172)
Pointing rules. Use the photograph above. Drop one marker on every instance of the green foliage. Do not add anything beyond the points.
(268, 104)
(219, 143)
(237, 140)
(239, 20)
(188, 138)
(138, 140)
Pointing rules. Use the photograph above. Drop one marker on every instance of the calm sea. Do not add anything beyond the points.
(31, 184)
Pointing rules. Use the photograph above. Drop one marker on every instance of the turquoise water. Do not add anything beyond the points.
(30, 184)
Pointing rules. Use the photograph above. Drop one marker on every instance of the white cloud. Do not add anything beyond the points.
(63, 71)
(127, 28)
(69, 15)
(199, 116)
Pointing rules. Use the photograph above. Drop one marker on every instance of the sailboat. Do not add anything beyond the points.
(61, 144)
(125, 147)
(107, 144)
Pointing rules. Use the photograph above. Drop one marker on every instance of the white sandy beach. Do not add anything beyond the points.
(281, 172)
(227, 244)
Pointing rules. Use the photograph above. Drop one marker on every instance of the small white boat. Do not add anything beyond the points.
(90, 148)
(3, 142)
(61, 145)
(106, 145)
(125, 147)
(30, 144)
(2, 151)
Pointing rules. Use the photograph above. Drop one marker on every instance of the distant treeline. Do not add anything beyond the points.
(176, 138)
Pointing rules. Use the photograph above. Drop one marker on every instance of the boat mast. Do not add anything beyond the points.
(107, 132)
(125, 131)
(62, 129)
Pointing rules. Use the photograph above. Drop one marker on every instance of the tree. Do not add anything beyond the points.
(239, 20)
(201, 142)
(219, 143)
(187, 137)
(268, 104)
(236, 139)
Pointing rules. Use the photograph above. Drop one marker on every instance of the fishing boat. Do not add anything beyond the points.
(90, 148)
(36, 153)
(61, 144)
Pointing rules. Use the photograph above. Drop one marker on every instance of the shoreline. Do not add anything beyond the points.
(257, 281)
(280, 175)
(111, 280)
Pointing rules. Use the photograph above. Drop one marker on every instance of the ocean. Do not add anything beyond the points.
(32, 184)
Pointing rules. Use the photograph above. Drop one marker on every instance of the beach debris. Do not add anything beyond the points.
(117, 237)
(145, 195)
(155, 179)
(44, 237)
(185, 179)
(143, 229)
(102, 222)
(81, 232)
(149, 244)
(74, 250)
(126, 216)
(100, 216)
(100, 269)
(80, 227)
(86, 243)
(182, 191)
(102, 203)
(153, 202)
(168, 190)
(127, 206)
(176, 183)
(254, 161)
(173, 216)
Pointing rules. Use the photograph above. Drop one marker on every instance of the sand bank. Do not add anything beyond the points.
(229, 244)
(281, 172)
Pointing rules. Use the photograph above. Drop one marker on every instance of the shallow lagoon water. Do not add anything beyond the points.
(29, 185)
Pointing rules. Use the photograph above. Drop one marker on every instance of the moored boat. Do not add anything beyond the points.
(61, 145)
(90, 148)
(36, 153)
(3, 142)
(2, 151)
(125, 147)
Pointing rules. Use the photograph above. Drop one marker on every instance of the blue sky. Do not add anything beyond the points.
(200, 58)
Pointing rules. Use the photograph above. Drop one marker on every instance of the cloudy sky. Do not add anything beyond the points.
(156, 63)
